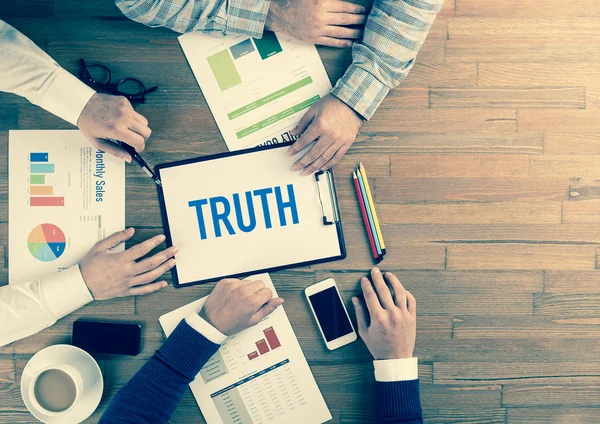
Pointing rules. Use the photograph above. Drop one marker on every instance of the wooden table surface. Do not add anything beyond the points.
(486, 167)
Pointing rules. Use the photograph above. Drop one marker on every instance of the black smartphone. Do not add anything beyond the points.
(110, 338)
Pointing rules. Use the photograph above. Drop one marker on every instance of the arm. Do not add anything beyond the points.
(315, 21)
(154, 391)
(394, 33)
(27, 71)
(26, 309)
(388, 327)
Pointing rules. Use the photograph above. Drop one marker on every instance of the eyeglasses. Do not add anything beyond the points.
(99, 77)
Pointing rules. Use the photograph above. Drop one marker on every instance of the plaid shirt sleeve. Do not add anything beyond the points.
(225, 16)
(394, 34)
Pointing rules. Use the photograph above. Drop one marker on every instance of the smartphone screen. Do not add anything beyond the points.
(107, 337)
(330, 313)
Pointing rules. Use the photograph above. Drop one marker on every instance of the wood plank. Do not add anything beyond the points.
(525, 327)
(552, 415)
(550, 395)
(439, 416)
(34, 8)
(569, 282)
(581, 211)
(417, 190)
(460, 166)
(528, 8)
(485, 29)
(509, 372)
(564, 120)
(7, 370)
(560, 143)
(446, 120)
(520, 256)
(424, 74)
(530, 98)
(532, 74)
(406, 142)
(472, 213)
(573, 166)
(567, 305)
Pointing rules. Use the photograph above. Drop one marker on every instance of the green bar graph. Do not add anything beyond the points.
(269, 98)
(268, 45)
(224, 70)
(277, 117)
(37, 179)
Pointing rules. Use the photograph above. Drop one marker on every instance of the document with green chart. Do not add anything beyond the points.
(257, 89)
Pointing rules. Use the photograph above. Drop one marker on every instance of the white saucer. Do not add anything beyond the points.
(90, 373)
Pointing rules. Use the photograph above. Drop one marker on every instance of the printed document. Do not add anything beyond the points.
(257, 90)
(258, 376)
(64, 196)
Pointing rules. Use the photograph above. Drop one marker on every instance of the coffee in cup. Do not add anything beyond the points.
(55, 389)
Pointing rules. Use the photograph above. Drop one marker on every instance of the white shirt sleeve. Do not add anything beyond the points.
(26, 70)
(396, 369)
(201, 326)
(26, 309)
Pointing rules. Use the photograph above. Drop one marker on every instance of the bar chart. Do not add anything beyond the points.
(41, 194)
(262, 346)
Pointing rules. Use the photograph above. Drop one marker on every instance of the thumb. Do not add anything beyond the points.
(115, 239)
(304, 122)
(113, 149)
(266, 310)
(361, 315)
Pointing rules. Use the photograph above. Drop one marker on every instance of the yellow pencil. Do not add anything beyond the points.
(372, 205)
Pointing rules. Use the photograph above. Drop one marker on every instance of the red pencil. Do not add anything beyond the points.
(363, 210)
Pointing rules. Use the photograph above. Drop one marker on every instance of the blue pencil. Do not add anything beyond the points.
(370, 215)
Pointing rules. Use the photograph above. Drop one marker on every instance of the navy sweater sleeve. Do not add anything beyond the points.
(398, 402)
(153, 393)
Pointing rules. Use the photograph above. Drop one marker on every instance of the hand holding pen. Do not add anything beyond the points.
(139, 160)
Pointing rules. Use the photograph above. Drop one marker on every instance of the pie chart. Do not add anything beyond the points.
(46, 242)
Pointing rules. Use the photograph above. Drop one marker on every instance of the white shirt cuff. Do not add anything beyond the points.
(65, 292)
(203, 327)
(66, 96)
(396, 369)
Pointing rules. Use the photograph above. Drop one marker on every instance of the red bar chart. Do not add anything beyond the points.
(262, 347)
(253, 355)
(272, 338)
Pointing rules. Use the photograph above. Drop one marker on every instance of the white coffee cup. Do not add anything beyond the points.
(72, 373)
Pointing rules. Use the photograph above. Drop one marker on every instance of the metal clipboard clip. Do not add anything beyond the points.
(327, 197)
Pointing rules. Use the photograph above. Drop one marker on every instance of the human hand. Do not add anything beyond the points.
(334, 125)
(235, 305)
(322, 22)
(106, 116)
(393, 328)
(109, 274)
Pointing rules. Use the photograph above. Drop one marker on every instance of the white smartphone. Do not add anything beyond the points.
(332, 317)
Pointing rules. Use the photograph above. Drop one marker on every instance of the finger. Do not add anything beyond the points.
(155, 261)
(399, 291)
(361, 315)
(313, 153)
(150, 276)
(370, 296)
(346, 7)
(343, 32)
(115, 239)
(133, 139)
(262, 296)
(111, 148)
(385, 297)
(336, 158)
(323, 159)
(140, 250)
(333, 42)
(346, 19)
(140, 128)
(147, 289)
(254, 286)
(266, 310)
(140, 118)
(411, 303)
(304, 122)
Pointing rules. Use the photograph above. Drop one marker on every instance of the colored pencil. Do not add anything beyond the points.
(369, 214)
(372, 203)
(364, 215)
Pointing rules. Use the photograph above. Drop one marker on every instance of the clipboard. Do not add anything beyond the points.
(245, 212)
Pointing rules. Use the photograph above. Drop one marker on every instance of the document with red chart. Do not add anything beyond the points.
(64, 196)
(257, 89)
(258, 376)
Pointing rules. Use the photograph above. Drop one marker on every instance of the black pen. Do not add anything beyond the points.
(138, 159)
